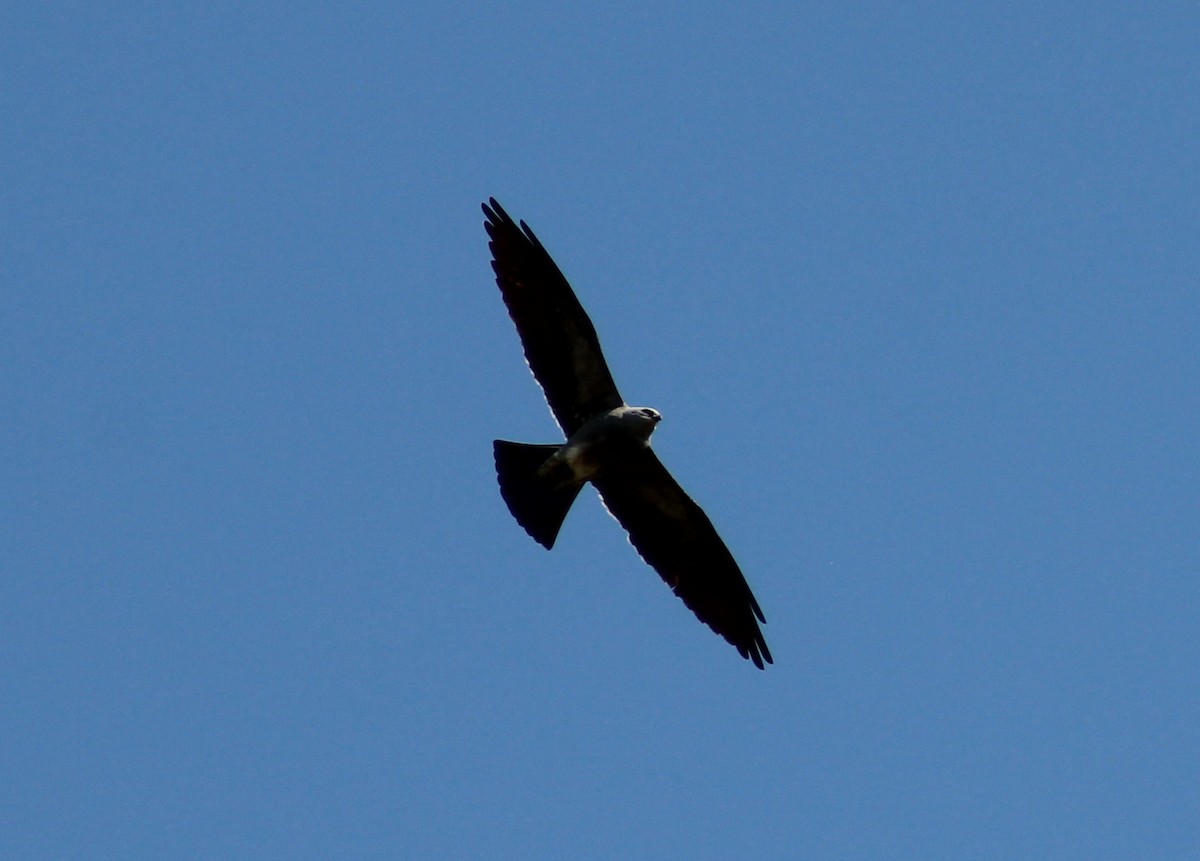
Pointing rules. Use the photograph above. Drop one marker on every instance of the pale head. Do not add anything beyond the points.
(641, 420)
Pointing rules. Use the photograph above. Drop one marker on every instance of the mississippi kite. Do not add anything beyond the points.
(608, 444)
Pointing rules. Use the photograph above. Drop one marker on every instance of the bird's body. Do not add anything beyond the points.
(602, 438)
(607, 444)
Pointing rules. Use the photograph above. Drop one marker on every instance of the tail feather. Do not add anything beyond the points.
(538, 504)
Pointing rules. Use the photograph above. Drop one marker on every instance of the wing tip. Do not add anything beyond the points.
(764, 653)
(756, 652)
(498, 218)
(496, 214)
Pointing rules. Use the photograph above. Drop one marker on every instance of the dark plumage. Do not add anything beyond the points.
(608, 444)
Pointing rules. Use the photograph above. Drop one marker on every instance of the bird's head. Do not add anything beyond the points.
(644, 419)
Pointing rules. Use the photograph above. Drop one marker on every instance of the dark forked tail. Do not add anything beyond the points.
(539, 504)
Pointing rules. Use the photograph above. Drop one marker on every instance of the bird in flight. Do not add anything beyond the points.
(608, 444)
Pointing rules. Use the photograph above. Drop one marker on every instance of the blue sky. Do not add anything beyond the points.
(914, 285)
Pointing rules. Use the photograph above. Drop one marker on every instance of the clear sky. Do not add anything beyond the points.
(916, 287)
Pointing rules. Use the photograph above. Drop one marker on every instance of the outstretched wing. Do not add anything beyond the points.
(674, 535)
(559, 340)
